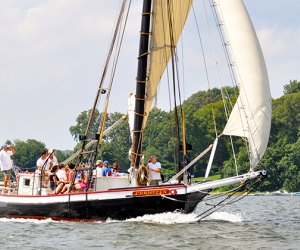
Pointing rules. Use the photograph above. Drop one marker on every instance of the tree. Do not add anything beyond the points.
(115, 145)
(291, 165)
(292, 87)
(281, 160)
(158, 138)
(202, 98)
(27, 153)
(61, 155)
(81, 124)
(286, 118)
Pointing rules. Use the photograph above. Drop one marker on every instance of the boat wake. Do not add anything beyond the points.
(226, 216)
(21, 220)
(166, 218)
(181, 218)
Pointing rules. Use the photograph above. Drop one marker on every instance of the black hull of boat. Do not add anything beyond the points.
(114, 208)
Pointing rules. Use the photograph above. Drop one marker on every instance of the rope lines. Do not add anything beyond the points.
(230, 197)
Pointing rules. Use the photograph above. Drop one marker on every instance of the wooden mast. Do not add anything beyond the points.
(136, 148)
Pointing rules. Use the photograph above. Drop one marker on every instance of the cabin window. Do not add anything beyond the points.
(27, 182)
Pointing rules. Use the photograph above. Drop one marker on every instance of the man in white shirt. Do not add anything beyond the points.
(41, 164)
(51, 162)
(154, 171)
(6, 163)
(98, 171)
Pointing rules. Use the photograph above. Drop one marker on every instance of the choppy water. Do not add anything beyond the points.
(256, 222)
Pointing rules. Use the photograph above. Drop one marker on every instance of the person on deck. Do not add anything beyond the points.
(70, 179)
(106, 171)
(52, 161)
(81, 183)
(98, 171)
(6, 163)
(53, 178)
(41, 162)
(62, 178)
(154, 171)
(115, 167)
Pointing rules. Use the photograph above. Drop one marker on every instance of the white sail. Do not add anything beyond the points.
(168, 20)
(251, 115)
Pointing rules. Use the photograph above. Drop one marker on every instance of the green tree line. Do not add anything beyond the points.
(281, 160)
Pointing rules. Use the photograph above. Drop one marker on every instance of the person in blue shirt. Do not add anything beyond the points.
(106, 170)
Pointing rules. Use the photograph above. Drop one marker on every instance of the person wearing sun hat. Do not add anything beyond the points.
(98, 171)
(6, 163)
(106, 170)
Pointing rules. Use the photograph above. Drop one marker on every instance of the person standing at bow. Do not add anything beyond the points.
(41, 162)
(154, 171)
(6, 163)
(51, 162)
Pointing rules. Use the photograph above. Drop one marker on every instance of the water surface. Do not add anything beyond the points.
(256, 222)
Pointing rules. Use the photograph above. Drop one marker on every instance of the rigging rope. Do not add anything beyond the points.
(111, 49)
(231, 197)
(175, 79)
(118, 49)
(91, 143)
(206, 70)
(235, 74)
(116, 39)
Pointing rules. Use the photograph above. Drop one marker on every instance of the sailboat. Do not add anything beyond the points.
(162, 22)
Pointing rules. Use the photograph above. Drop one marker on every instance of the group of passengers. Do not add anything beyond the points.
(64, 178)
(104, 169)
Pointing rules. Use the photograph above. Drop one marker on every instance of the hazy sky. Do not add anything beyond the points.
(52, 53)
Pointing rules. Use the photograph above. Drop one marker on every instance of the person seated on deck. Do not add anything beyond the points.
(115, 167)
(106, 170)
(53, 178)
(154, 170)
(81, 183)
(70, 177)
(62, 178)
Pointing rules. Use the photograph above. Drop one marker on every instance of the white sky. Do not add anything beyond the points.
(52, 53)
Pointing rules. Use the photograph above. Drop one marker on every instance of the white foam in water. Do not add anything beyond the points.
(162, 218)
(177, 218)
(167, 218)
(33, 221)
(225, 216)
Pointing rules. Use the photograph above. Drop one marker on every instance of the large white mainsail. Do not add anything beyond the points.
(251, 115)
(168, 20)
